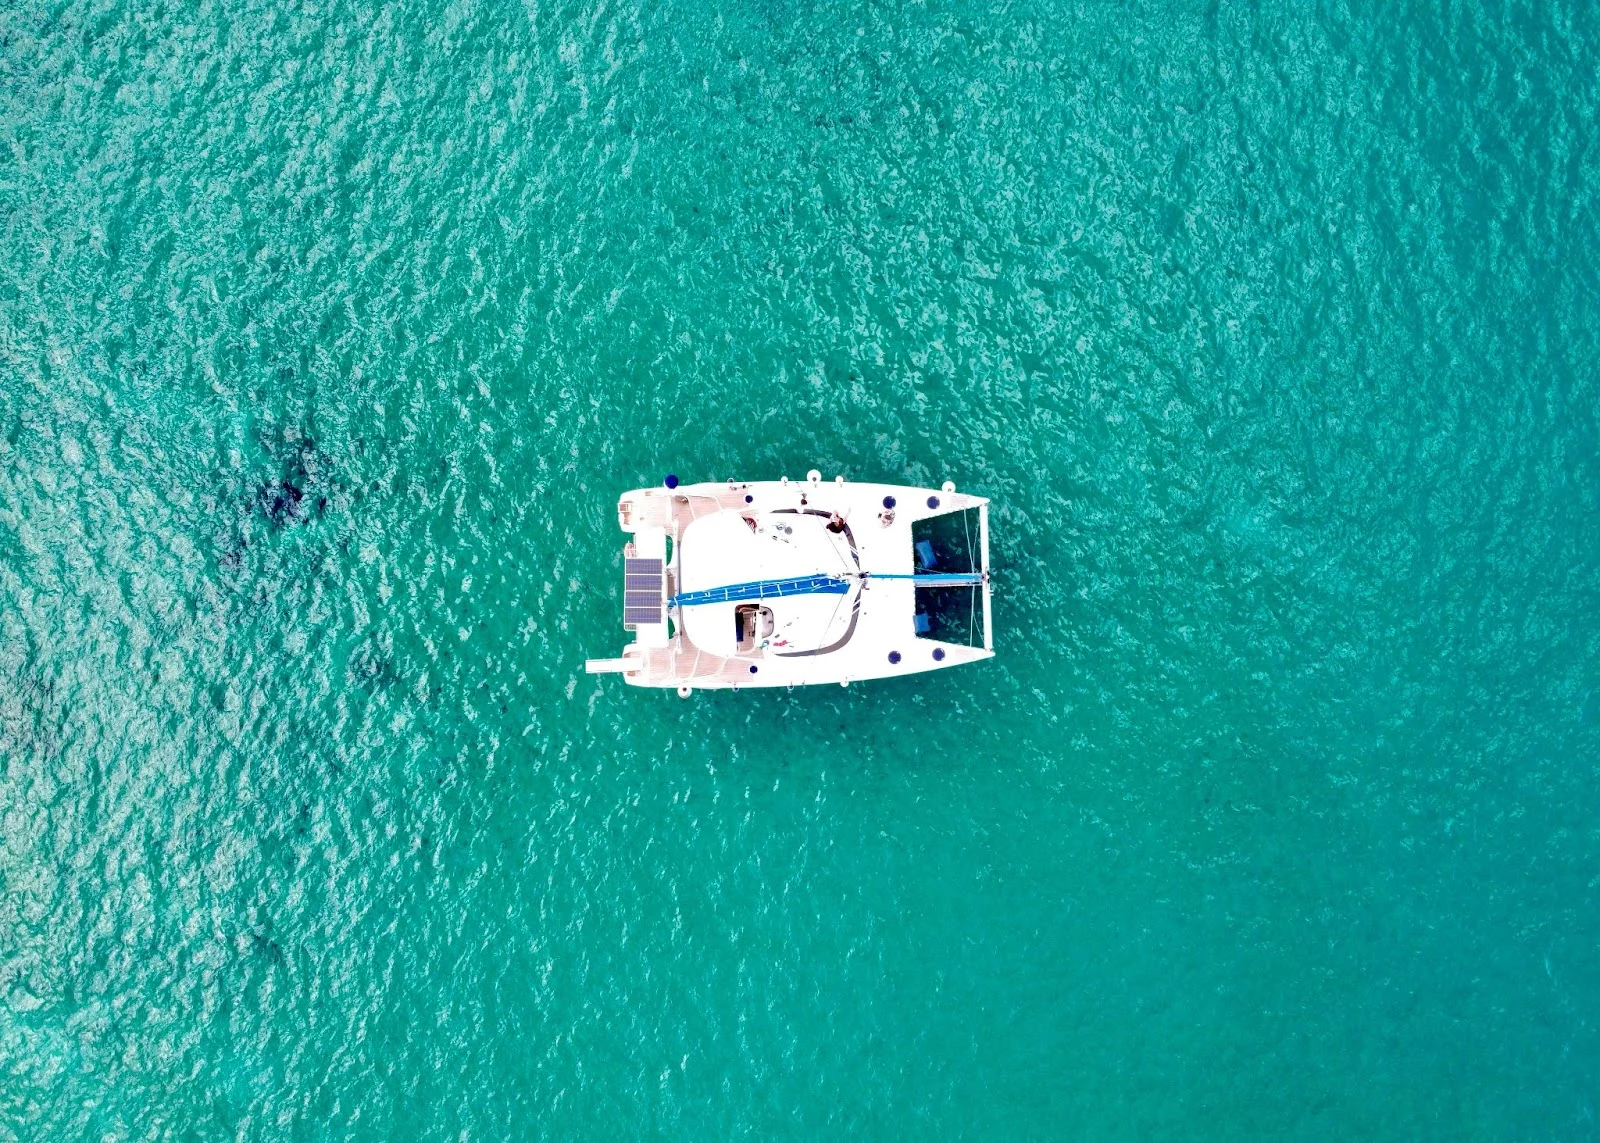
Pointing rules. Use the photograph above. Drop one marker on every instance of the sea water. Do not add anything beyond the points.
(329, 335)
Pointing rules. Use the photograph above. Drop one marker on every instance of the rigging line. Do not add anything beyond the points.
(849, 539)
(971, 563)
(843, 563)
(855, 616)
(972, 613)
(849, 536)
(839, 603)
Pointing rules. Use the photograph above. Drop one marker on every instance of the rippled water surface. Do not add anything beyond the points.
(330, 333)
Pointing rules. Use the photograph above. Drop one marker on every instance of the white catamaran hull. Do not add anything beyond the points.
(788, 583)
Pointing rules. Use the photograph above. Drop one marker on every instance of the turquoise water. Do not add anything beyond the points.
(328, 336)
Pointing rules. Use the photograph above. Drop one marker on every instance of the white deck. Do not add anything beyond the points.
(744, 532)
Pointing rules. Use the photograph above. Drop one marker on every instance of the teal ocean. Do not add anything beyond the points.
(329, 335)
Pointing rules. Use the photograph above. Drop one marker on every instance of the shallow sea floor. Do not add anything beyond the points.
(329, 335)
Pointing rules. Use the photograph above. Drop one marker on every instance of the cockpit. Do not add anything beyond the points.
(753, 625)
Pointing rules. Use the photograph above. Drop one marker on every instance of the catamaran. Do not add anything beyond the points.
(780, 583)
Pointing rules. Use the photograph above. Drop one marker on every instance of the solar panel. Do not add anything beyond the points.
(643, 592)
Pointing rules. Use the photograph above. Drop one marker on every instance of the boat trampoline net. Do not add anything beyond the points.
(948, 544)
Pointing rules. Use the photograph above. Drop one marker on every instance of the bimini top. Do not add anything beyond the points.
(780, 583)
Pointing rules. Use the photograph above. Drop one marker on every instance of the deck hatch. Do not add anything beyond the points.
(644, 592)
